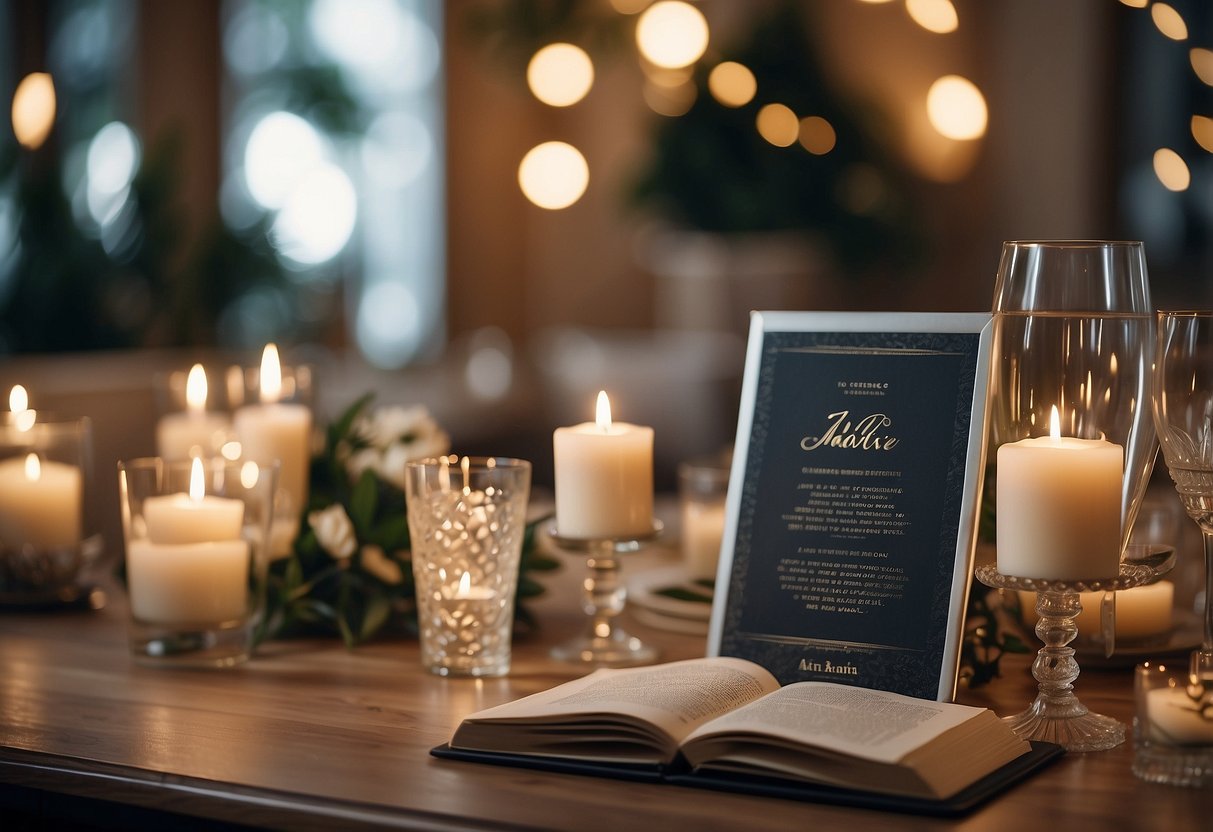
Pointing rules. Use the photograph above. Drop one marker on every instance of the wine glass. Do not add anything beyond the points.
(1069, 379)
(1183, 416)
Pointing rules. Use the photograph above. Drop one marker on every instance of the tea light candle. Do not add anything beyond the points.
(39, 502)
(1059, 507)
(195, 432)
(1175, 718)
(702, 532)
(193, 566)
(604, 478)
(274, 430)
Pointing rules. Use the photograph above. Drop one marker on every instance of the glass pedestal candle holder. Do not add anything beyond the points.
(1173, 727)
(46, 544)
(603, 598)
(197, 545)
(467, 520)
(1057, 715)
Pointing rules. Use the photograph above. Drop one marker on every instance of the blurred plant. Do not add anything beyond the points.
(986, 639)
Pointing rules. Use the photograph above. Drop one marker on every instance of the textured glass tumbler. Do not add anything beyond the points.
(1173, 731)
(197, 536)
(467, 519)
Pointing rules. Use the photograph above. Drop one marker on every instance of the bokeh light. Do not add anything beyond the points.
(672, 34)
(732, 84)
(669, 99)
(381, 43)
(553, 175)
(1202, 131)
(282, 149)
(388, 324)
(318, 217)
(817, 135)
(938, 16)
(956, 108)
(1169, 21)
(1171, 170)
(397, 148)
(778, 125)
(560, 74)
(1202, 64)
(33, 110)
(111, 164)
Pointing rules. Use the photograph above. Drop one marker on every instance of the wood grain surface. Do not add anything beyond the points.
(309, 735)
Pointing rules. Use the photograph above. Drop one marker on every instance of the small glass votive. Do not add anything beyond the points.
(197, 537)
(1173, 728)
(191, 417)
(467, 519)
(702, 488)
(46, 544)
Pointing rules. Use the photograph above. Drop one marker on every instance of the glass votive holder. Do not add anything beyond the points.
(46, 543)
(702, 488)
(197, 537)
(192, 419)
(467, 519)
(1173, 728)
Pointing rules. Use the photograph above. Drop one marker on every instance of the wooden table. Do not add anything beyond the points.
(309, 735)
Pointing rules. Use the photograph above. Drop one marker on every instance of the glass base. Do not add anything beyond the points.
(616, 650)
(1084, 731)
(479, 666)
(158, 645)
(1173, 765)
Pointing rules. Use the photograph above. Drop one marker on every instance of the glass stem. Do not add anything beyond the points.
(1206, 645)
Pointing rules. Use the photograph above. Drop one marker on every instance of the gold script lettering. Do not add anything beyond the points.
(842, 433)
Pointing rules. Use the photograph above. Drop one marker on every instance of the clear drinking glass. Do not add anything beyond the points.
(467, 519)
(1183, 416)
(1173, 729)
(1072, 335)
(197, 540)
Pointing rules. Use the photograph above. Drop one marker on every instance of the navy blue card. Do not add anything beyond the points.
(853, 498)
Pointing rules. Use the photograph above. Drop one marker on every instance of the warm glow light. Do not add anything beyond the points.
(465, 585)
(956, 108)
(1171, 170)
(1202, 64)
(197, 481)
(937, 16)
(560, 74)
(732, 84)
(271, 374)
(1054, 424)
(817, 135)
(778, 125)
(1136, 4)
(553, 175)
(232, 450)
(1169, 21)
(250, 472)
(18, 399)
(195, 389)
(602, 411)
(1202, 131)
(33, 468)
(672, 33)
(34, 109)
(669, 100)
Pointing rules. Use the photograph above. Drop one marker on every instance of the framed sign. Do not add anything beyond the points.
(853, 498)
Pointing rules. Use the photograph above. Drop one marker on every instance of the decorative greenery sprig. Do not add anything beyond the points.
(349, 570)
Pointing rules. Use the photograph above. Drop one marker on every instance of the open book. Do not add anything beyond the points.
(729, 715)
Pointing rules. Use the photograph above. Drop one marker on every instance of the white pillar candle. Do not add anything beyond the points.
(702, 532)
(1175, 718)
(39, 502)
(1141, 612)
(196, 431)
(604, 478)
(203, 583)
(281, 431)
(1059, 507)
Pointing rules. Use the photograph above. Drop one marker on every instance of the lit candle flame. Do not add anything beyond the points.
(18, 399)
(271, 375)
(465, 585)
(33, 468)
(197, 482)
(602, 411)
(466, 465)
(1054, 424)
(195, 389)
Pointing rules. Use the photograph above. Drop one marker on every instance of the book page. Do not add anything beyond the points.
(869, 724)
(677, 697)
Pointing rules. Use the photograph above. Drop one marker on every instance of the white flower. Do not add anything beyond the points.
(380, 565)
(334, 531)
(394, 436)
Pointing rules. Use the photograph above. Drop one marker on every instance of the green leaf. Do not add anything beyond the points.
(378, 608)
(340, 429)
(363, 501)
(392, 534)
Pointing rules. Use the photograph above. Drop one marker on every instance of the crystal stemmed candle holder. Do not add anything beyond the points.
(603, 598)
(1073, 445)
